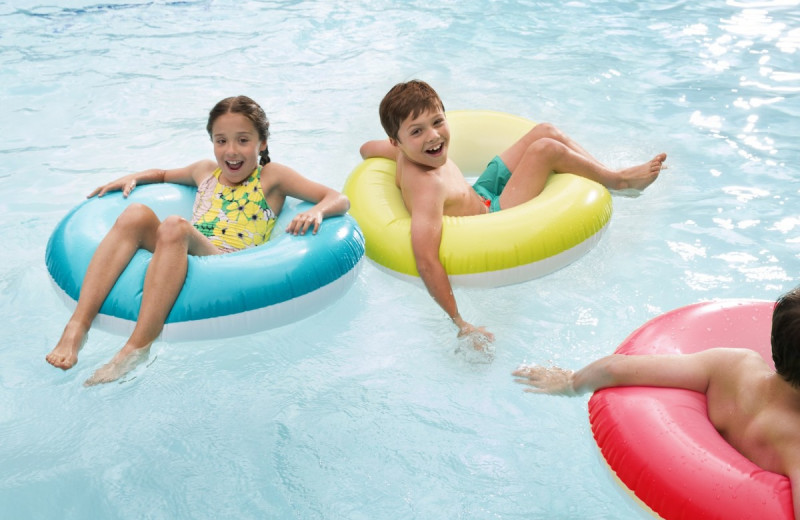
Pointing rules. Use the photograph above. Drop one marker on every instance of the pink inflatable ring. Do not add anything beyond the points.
(659, 442)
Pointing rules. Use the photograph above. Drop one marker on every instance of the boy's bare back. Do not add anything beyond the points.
(754, 408)
(756, 411)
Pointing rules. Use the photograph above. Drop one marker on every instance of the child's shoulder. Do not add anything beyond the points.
(274, 168)
(277, 175)
(203, 167)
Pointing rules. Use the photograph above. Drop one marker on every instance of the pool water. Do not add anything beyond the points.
(372, 408)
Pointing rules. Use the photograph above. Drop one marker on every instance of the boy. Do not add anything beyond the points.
(755, 409)
(432, 185)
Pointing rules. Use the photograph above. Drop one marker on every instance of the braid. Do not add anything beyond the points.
(264, 156)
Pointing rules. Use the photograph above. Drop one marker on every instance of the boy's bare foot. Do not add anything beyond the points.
(65, 353)
(641, 176)
(126, 360)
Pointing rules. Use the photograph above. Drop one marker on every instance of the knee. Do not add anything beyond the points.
(548, 130)
(173, 229)
(134, 217)
(546, 147)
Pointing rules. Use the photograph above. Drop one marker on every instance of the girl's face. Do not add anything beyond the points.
(236, 147)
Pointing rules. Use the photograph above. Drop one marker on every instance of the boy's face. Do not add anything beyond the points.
(424, 139)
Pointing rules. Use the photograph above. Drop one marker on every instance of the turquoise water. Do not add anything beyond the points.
(371, 409)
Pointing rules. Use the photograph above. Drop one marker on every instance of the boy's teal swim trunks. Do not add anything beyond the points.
(491, 183)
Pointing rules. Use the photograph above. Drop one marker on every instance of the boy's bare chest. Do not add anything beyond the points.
(460, 199)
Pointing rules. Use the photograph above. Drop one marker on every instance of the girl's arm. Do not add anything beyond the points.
(327, 201)
(190, 175)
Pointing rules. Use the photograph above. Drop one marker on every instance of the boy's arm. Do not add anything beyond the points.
(689, 371)
(382, 148)
(784, 438)
(426, 203)
(794, 479)
(425, 198)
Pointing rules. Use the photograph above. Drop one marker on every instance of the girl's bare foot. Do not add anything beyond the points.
(65, 353)
(126, 360)
(641, 176)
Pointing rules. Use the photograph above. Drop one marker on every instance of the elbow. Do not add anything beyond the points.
(365, 150)
(372, 149)
(335, 203)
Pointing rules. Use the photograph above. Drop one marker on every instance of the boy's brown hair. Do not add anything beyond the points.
(406, 99)
(786, 336)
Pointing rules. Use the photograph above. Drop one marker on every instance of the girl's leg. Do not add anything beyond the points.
(135, 228)
(176, 239)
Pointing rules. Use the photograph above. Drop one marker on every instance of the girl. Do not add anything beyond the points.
(242, 177)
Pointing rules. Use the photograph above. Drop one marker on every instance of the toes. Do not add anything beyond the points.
(62, 362)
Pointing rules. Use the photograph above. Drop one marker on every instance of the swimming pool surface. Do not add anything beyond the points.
(372, 409)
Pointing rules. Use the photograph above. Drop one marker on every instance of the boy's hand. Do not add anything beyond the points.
(553, 380)
(479, 335)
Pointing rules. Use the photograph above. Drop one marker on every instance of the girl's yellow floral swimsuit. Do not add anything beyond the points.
(233, 217)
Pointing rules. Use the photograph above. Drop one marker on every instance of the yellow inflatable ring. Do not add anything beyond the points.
(510, 246)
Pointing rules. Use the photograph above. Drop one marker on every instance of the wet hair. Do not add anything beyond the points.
(786, 336)
(407, 99)
(248, 108)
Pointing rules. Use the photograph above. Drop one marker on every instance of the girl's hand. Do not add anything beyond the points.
(125, 184)
(303, 221)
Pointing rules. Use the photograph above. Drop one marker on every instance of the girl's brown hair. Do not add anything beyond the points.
(248, 108)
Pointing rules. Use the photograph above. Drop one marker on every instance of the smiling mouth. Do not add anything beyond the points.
(435, 151)
(234, 165)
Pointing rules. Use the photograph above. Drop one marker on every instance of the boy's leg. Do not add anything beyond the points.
(545, 150)
(512, 156)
